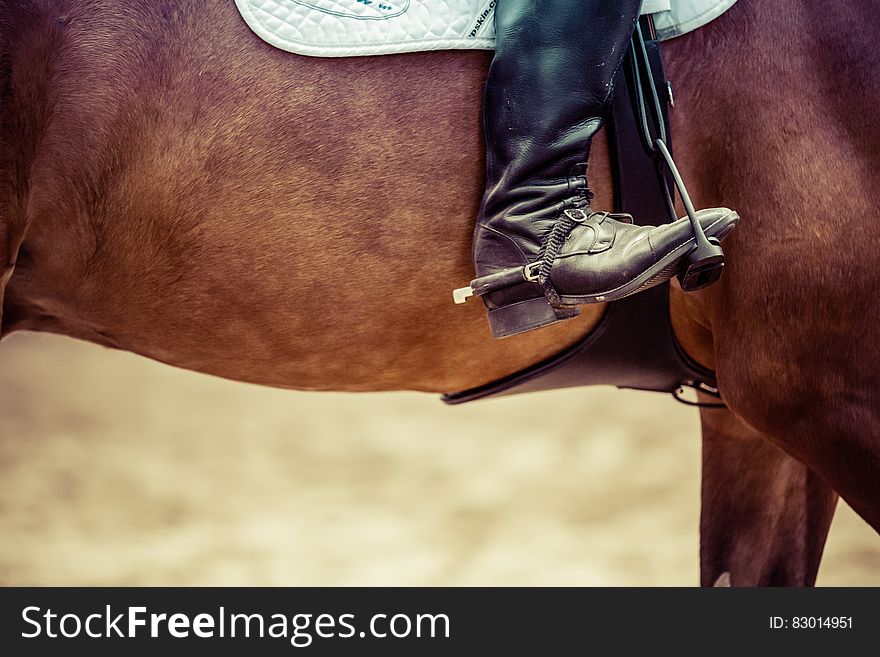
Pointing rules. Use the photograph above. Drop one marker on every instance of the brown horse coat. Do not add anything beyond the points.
(175, 187)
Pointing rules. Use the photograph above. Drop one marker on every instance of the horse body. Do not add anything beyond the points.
(177, 188)
(252, 214)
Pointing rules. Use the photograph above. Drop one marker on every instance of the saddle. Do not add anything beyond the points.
(349, 28)
(634, 345)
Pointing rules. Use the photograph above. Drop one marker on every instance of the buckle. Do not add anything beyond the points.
(577, 215)
(532, 271)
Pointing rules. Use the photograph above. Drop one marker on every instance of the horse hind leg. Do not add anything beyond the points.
(765, 516)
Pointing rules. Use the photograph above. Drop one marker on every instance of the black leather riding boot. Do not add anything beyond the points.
(539, 250)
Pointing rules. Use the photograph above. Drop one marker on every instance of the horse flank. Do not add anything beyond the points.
(195, 196)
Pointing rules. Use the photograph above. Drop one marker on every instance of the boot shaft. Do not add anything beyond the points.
(547, 91)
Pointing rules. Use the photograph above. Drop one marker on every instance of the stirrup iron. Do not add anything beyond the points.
(704, 266)
(706, 260)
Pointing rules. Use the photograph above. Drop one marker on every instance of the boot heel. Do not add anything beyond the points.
(526, 315)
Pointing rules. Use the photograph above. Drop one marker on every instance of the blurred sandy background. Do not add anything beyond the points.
(116, 470)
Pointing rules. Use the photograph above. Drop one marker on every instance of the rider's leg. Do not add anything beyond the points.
(548, 88)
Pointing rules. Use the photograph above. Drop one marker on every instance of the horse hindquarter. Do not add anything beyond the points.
(788, 137)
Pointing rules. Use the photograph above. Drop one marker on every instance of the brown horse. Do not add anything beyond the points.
(175, 187)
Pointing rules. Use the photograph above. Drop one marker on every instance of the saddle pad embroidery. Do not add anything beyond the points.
(346, 28)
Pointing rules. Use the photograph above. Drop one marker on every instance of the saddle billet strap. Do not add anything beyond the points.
(652, 93)
(633, 345)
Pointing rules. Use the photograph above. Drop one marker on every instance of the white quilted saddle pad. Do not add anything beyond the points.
(346, 28)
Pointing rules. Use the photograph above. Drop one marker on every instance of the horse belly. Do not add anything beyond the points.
(268, 226)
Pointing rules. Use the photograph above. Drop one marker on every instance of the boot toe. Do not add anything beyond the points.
(716, 222)
(641, 257)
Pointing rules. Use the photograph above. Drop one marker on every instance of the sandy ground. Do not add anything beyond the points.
(116, 470)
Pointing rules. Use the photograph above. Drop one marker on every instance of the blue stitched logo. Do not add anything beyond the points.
(365, 10)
